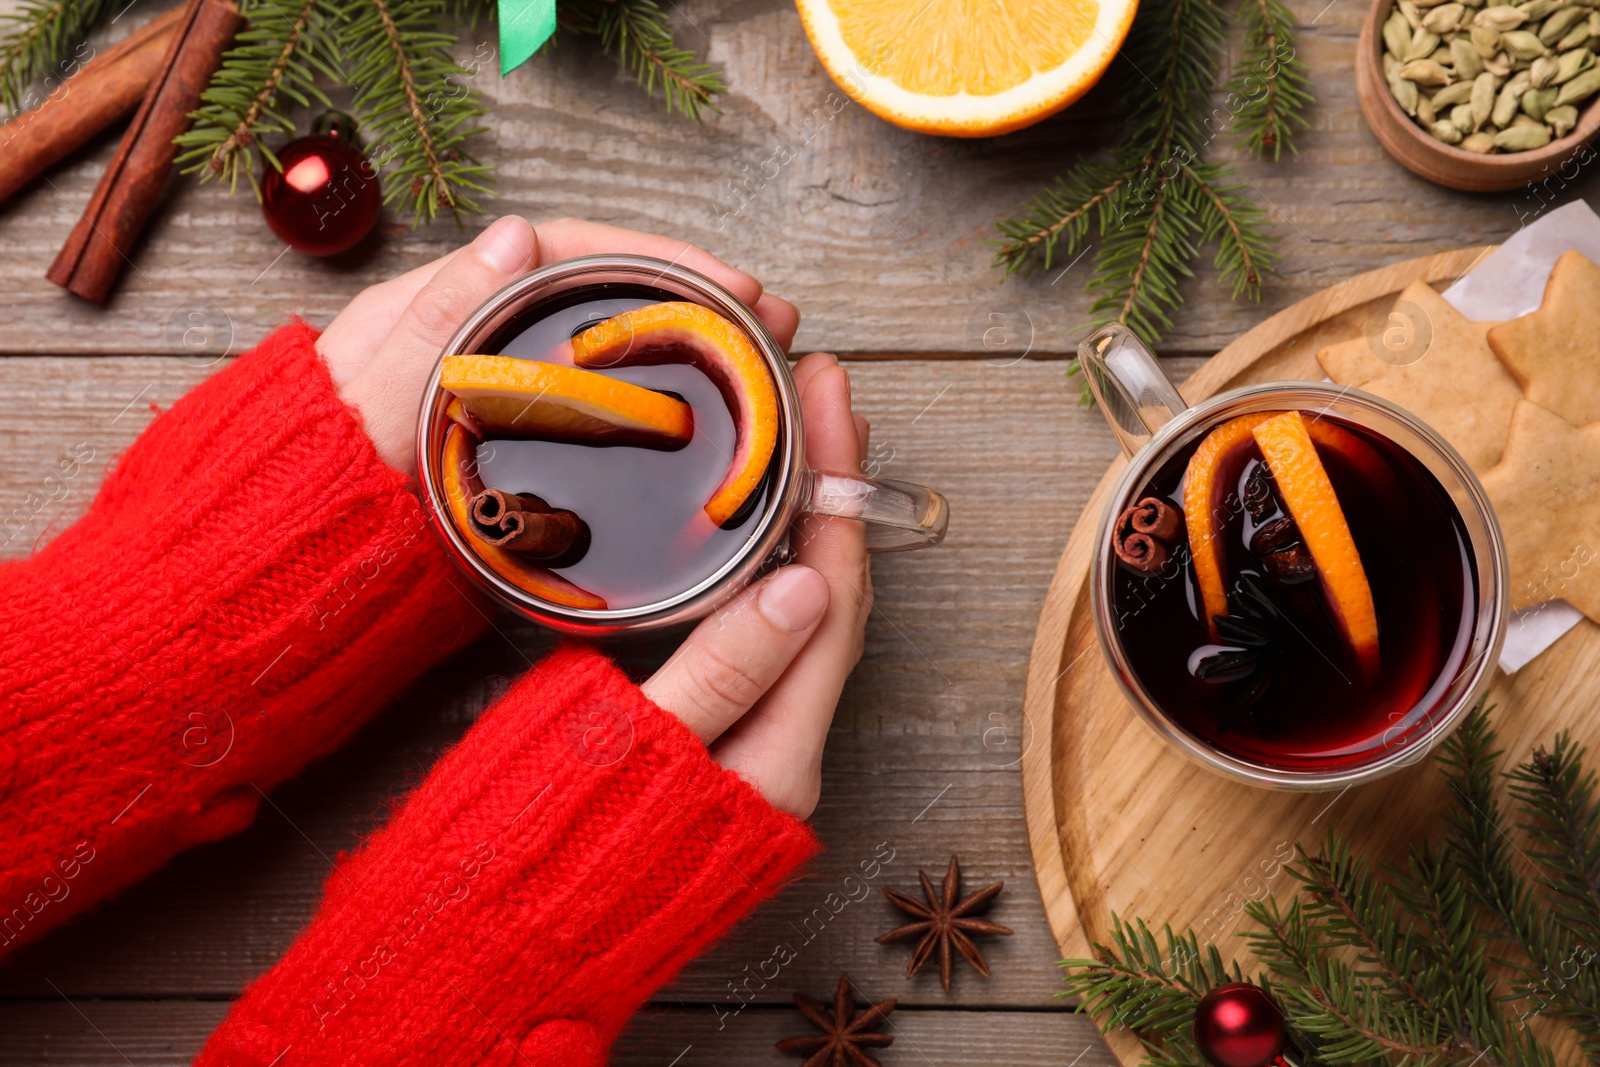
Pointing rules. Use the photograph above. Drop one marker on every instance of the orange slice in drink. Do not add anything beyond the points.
(681, 332)
(527, 398)
(1205, 513)
(458, 470)
(1287, 447)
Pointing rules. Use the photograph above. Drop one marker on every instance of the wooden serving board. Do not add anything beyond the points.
(1119, 821)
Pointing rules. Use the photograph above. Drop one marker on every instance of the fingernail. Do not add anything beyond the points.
(506, 245)
(794, 598)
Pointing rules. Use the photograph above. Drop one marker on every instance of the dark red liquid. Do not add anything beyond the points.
(1309, 707)
(650, 538)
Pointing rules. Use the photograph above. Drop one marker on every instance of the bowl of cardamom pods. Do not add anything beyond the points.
(1482, 95)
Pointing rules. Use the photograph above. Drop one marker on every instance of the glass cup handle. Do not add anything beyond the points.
(1134, 393)
(897, 515)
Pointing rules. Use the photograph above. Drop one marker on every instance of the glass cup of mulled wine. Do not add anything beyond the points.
(1297, 584)
(614, 443)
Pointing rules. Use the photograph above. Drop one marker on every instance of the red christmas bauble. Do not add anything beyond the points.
(326, 197)
(1237, 1025)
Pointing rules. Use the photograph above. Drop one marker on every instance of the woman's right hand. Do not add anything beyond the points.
(758, 681)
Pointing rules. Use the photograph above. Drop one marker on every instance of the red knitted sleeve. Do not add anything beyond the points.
(556, 867)
(249, 585)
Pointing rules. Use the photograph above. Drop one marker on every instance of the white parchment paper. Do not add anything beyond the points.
(1508, 283)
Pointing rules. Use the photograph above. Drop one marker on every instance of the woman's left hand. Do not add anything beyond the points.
(381, 348)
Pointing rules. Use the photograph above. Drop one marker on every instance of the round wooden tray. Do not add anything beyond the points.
(1120, 822)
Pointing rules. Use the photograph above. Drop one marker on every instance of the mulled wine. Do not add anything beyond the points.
(1296, 591)
(610, 449)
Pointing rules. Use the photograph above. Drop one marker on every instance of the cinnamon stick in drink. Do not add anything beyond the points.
(101, 242)
(107, 88)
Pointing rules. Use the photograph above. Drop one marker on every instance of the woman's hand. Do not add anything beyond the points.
(383, 345)
(757, 681)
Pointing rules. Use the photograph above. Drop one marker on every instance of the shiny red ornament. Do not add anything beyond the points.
(326, 197)
(1237, 1025)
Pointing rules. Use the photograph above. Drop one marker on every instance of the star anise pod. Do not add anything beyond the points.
(943, 923)
(844, 1034)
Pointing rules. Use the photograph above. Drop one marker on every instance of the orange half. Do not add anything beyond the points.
(1303, 483)
(527, 398)
(965, 69)
(461, 483)
(681, 332)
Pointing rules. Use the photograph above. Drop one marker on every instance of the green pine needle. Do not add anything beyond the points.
(39, 38)
(410, 106)
(272, 66)
(1155, 203)
(1270, 88)
(1438, 962)
(639, 34)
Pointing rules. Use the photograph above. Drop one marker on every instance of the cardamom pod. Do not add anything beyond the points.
(1482, 99)
(1446, 132)
(1396, 34)
(1441, 56)
(1499, 65)
(1510, 98)
(1556, 26)
(1571, 64)
(1465, 59)
(1543, 71)
(1460, 92)
(1534, 10)
(1423, 42)
(1576, 36)
(1444, 18)
(1412, 13)
(1520, 119)
(1425, 72)
(1499, 18)
(1522, 138)
(1426, 111)
(1594, 24)
(1579, 88)
(1535, 102)
(1481, 142)
(1561, 120)
(1520, 43)
(1486, 39)
(1406, 94)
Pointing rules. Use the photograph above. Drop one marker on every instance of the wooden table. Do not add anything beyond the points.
(880, 236)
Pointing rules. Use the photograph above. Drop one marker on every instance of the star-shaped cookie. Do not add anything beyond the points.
(1456, 385)
(1546, 492)
(1554, 353)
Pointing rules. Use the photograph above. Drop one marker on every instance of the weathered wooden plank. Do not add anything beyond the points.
(922, 757)
(879, 235)
(169, 1033)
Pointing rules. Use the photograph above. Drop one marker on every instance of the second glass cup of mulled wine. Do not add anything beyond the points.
(1297, 584)
(614, 443)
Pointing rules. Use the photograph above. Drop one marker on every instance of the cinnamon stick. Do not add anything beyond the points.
(102, 240)
(1146, 533)
(105, 89)
(525, 523)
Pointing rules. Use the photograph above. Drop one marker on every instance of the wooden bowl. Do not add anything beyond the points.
(1422, 154)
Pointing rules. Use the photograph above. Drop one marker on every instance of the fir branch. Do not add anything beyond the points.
(408, 100)
(1564, 830)
(1155, 202)
(40, 35)
(1270, 88)
(639, 34)
(1135, 984)
(278, 54)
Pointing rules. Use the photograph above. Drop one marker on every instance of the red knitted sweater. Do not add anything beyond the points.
(249, 586)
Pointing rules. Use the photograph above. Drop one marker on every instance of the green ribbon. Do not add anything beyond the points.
(524, 26)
